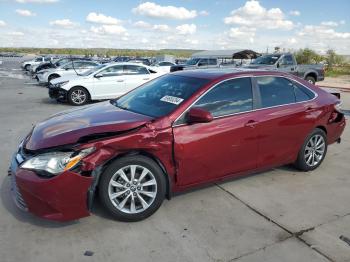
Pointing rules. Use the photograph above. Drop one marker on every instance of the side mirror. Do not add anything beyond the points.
(199, 115)
(98, 75)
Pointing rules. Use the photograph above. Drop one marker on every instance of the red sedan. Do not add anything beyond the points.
(175, 132)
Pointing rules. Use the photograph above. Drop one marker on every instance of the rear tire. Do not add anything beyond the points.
(132, 188)
(313, 151)
(310, 79)
(78, 96)
(27, 67)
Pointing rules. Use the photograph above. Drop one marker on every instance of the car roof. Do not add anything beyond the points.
(219, 73)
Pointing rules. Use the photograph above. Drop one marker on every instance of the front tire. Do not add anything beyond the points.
(78, 96)
(313, 151)
(27, 67)
(132, 188)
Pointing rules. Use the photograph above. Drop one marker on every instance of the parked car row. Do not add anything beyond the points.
(285, 62)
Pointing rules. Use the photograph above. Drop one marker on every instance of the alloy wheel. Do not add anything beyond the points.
(78, 96)
(314, 150)
(132, 189)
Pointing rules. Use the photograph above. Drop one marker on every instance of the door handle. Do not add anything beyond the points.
(251, 123)
(146, 79)
(120, 80)
(309, 109)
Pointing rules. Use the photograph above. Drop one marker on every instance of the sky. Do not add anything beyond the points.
(190, 24)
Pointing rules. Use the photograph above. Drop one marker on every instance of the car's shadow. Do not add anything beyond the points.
(97, 208)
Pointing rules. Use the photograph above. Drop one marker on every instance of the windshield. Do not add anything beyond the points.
(92, 70)
(161, 96)
(192, 61)
(266, 60)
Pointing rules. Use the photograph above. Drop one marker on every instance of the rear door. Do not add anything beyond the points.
(286, 116)
(227, 145)
(110, 83)
(135, 76)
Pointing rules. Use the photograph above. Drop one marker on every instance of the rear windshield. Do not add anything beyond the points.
(160, 96)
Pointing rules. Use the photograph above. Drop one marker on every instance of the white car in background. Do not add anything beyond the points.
(106, 82)
(72, 68)
(26, 65)
(163, 66)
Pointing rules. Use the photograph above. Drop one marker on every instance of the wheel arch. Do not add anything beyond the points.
(312, 74)
(126, 154)
(323, 128)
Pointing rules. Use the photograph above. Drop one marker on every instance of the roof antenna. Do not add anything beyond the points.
(71, 59)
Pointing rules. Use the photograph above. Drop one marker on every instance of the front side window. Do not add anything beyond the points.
(135, 70)
(203, 62)
(287, 60)
(160, 96)
(266, 60)
(230, 97)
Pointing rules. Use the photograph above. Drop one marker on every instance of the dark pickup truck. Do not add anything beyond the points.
(286, 62)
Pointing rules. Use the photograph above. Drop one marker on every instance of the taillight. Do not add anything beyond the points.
(337, 107)
(337, 115)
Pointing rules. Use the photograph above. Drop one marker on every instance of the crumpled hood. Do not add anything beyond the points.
(68, 126)
(66, 78)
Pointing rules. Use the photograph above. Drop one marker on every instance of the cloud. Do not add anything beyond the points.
(162, 28)
(102, 19)
(142, 24)
(65, 23)
(108, 29)
(253, 14)
(294, 13)
(37, 1)
(342, 22)
(204, 13)
(153, 10)
(2, 23)
(24, 12)
(16, 33)
(322, 32)
(329, 23)
(186, 29)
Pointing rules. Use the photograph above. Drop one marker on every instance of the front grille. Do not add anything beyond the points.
(17, 196)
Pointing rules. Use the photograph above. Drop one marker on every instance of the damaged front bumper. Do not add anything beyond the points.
(57, 92)
(62, 198)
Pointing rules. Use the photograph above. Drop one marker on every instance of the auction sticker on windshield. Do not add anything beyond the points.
(172, 99)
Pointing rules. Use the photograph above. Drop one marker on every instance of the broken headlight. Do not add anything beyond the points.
(56, 162)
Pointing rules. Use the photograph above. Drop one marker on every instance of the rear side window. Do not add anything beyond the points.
(275, 91)
(230, 97)
(212, 61)
(302, 93)
(135, 70)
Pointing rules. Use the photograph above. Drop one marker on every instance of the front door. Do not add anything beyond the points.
(227, 145)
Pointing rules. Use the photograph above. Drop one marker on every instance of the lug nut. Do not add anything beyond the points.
(134, 194)
(128, 192)
(135, 183)
(138, 188)
(127, 185)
